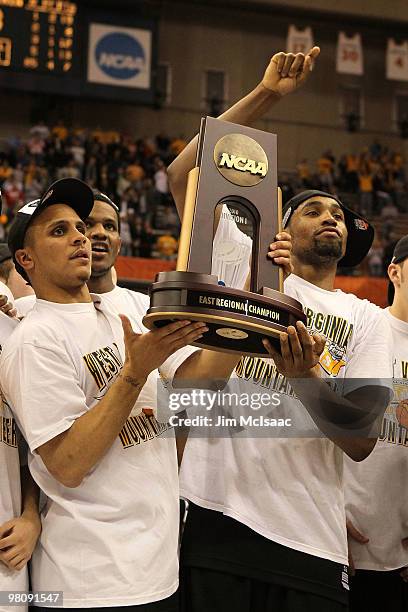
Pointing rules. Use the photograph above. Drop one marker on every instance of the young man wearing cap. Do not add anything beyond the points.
(74, 374)
(266, 526)
(377, 489)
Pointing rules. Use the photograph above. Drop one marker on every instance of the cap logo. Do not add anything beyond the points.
(30, 208)
(48, 195)
(361, 224)
(286, 217)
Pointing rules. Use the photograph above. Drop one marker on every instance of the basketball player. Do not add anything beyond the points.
(266, 525)
(74, 374)
(19, 520)
(377, 489)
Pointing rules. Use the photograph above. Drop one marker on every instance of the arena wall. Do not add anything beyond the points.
(194, 38)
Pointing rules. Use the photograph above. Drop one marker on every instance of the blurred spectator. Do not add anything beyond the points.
(160, 178)
(304, 174)
(177, 145)
(70, 170)
(134, 173)
(60, 131)
(352, 173)
(78, 152)
(40, 130)
(365, 178)
(5, 171)
(91, 172)
(375, 258)
(325, 171)
(167, 247)
(388, 215)
(13, 196)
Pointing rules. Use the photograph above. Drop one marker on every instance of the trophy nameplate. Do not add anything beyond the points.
(236, 171)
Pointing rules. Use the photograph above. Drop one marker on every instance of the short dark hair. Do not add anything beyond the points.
(6, 267)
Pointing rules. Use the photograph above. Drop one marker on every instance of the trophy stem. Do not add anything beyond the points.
(188, 220)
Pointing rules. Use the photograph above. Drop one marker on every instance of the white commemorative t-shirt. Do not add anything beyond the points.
(24, 304)
(112, 541)
(376, 489)
(290, 489)
(135, 305)
(10, 486)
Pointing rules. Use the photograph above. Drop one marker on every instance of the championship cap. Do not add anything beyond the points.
(399, 255)
(360, 232)
(70, 191)
(101, 197)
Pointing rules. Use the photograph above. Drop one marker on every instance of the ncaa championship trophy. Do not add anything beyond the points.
(236, 168)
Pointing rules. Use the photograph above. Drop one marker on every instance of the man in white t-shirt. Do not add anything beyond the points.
(376, 490)
(75, 375)
(19, 519)
(266, 527)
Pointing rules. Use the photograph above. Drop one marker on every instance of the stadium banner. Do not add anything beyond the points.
(349, 58)
(119, 56)
(397, 60)
(299, 41)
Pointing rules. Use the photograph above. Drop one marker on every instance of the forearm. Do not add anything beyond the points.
(349, 424)
(206, 367)
(247, 110)
(30, 494)
(71, 455)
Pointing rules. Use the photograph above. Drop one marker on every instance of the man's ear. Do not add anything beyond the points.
(394, 274)
(24, 258)
(119, 247)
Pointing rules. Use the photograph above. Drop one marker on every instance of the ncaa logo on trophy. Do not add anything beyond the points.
(234, 182)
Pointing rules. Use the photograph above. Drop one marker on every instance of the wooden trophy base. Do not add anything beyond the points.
(237, 320)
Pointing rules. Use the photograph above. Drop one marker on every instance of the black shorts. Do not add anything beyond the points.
(205, 590)
(378, 592)
(226, 566)
(170, 604)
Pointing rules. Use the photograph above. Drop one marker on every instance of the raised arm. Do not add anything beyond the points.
(285, 73)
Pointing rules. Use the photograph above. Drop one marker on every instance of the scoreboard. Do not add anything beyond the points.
(46, 46)
(37, 35)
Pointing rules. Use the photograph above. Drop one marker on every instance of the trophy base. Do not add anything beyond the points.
(238, 320)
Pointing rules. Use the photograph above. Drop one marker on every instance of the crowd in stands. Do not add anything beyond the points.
(132, 172)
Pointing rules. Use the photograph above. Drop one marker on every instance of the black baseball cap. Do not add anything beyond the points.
(399, 255)
(101, 197)
(360, 232)
(70, 191)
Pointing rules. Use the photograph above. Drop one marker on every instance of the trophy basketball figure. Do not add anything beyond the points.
(236, 171)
